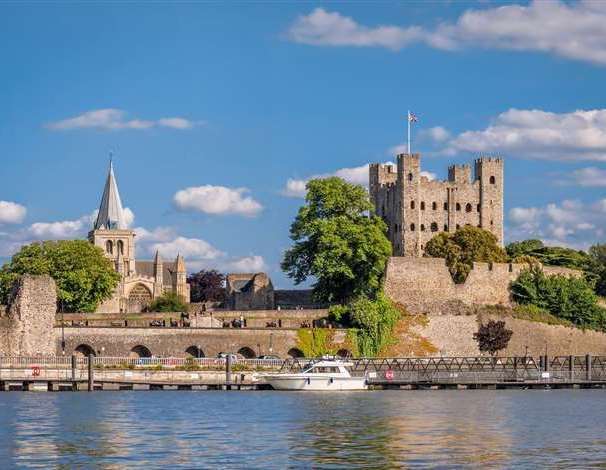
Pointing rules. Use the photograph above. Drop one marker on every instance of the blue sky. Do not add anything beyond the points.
(217, 114)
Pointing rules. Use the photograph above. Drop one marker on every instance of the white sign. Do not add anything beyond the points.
(545, 375)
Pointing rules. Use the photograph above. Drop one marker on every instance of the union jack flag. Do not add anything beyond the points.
(412, 117)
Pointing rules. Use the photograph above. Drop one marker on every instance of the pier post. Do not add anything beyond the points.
(73, 368)
(546, 363)
(91, 379)
(228, 372)
(571, 368)
(588, 367)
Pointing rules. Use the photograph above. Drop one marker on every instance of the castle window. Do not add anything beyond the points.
(458, 207)
(445, 206)
(120, 247)
(492, 180)
(445, 228)
(412, 227)
(409, 176)
(422, 228)
(422, 205)
(434, 205)
(468, 207)
(109, 247)
(412, 204)
(478, 208)
(434, 227)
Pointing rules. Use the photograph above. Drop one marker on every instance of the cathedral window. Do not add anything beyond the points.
(120, 247)
(468, 207)
(109, 247)
(422, 205)
(434, 227)
(434, 205)
(412, 227)
(412, 204)
(492, 180)
(458, 207)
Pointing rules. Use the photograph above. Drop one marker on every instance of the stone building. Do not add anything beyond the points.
(416, 208)
(249, 292)
(141, 281)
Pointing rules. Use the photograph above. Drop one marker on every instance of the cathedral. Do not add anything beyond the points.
(140, 281)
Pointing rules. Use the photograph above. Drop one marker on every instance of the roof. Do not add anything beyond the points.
(146, 268)
(110, 215)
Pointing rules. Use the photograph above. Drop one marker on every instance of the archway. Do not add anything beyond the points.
(140, 351)
(344, 353)
(194, 351)
(247, 352)
(84, 350)
(139, 297)
(295, 352)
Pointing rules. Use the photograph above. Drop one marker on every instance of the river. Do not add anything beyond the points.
(382, 429)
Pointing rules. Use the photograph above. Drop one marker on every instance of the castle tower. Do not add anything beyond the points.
(158, 275)
(489, 173)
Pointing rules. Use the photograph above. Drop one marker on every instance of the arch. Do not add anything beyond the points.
(120, 247)
(493, 180)
(468, 207)
(247, 352)
(422, 205)
(434, 206)
(140, 351)
(109, 247)
(84, 350)
(434, 226)
(140, 293)
(458, 206)
(422, 227)
(412, 227)
(344, 353)
(412, 204)
(295, 352)
(194, 351)
(409, 176)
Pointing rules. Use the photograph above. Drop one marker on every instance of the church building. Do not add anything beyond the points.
(140, 281)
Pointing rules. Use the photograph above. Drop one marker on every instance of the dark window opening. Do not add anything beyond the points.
(458, 206)
(412, 227)
(422, 205)
(434, 227)
(409, 176)
(434, 206)
(468, 207)
(492, 180)
(422, 228)
(445, 206)
(412, 204)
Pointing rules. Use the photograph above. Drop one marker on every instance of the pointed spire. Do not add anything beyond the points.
(157, 258)
(110, 215)
(180, 264)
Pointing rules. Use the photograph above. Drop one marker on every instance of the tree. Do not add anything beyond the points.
(524, 247)
(492, 337)
(84, 276)
(549, 255)
(462, 248)
(169, 302)
(597, 268)
(339, 241)
(207, 286)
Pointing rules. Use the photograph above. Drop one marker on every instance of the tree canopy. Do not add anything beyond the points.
(492, 336)
(84, 276)
(549, 255)
(461, 248)
(168, 302)
(339, 241)
(207, 286)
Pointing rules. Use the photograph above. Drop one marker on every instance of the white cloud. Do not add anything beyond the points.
(572, 30)
(294, 188)
(116, 119)
(568, 223)
(437, 134)
(11, 212)
(578, 135)
(193, 248)
(217, 200)
(249, 264)
(159, 234)
(64, 229)
(587, 177)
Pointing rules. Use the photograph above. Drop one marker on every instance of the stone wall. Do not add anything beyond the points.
(424, 285)
(452, 335)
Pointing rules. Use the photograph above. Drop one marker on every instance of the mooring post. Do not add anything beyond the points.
(515, 368)
(91, 379)
(228, 372)
(546, 363)
(571, 367)
(588, 367)
(73, 368)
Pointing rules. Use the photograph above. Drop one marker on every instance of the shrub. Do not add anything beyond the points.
(492, 337)
(169, 302)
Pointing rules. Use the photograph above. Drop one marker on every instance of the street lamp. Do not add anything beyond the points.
(62, 328)
(271, 343)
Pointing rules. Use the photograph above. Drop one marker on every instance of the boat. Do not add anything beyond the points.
(324, 375)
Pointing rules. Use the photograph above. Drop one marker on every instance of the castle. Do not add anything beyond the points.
(416, 208)
(140, 281)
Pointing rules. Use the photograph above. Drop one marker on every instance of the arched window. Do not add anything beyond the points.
(434, 227)
(492, 180)
(412, 204)
(422, 205)
(120, 246)
(409, 176)
(458, 207)
(422, 228)
(109, 247)
(445, 206)
(468, 207)
(412, 227)
(434, 206)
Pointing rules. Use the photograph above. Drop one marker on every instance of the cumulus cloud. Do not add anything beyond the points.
(193, 248)
(116, 119)
(11, 212)
(217, 200)
(586, 177)
(437, 134)
(251, 264)
(568, 223)
(572, 30)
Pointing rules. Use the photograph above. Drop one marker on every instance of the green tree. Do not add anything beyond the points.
(549, 255)
(524, 247)
(339, 241)
(462, 248)
(84, 276)
(492, 336)
(597, 268)
(168, 302)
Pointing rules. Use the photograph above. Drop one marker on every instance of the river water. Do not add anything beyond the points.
(381, 429)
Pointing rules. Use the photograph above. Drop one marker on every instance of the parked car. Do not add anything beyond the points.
(233, 356)
(268, 356)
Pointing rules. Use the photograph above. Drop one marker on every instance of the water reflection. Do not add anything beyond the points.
(488, 429)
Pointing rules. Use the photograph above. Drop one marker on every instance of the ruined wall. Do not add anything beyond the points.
(27, 327)
(452, 335)
(424, 285)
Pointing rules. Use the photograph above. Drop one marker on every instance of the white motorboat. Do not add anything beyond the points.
(323, 375)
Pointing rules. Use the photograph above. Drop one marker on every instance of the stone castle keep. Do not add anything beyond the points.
(141, 281)
(416, 208)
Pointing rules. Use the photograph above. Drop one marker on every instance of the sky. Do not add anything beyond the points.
(217, 114)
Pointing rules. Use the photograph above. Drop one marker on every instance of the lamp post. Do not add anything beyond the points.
(62, 328)
(271, 343)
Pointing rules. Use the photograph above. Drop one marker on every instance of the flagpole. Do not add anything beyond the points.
(408, 120)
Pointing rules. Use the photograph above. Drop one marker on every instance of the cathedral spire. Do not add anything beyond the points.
(110, 215)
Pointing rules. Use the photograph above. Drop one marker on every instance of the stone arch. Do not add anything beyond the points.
(344, 353)
(109, 247)
(84, 350)
(247, 352)
(194, 351)
(120, 247)
(140, 351)
(295, 352)
(139, 297)
(468, 207)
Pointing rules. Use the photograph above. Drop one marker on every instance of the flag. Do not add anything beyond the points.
(412, 117)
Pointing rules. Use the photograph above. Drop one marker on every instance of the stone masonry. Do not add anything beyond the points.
(416, 208)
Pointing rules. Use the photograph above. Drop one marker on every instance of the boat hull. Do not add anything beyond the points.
(317, 383)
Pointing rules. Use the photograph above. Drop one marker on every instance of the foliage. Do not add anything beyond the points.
(84, 276)
(549, 255)
(316, 342)
(597, 267)
(492, 336)
(337, 242)
(531, 312)
(169, 302)
(207, 286)
(524, 247)
(462, 248)
(570, 298)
